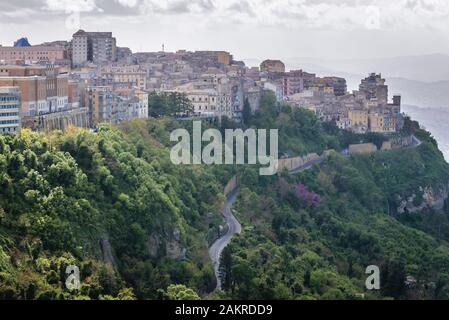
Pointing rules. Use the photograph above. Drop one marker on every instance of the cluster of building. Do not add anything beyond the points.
(62, 83)
(90, 80)
(363, 110)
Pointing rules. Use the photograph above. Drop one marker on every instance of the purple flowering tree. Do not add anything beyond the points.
(311, 198)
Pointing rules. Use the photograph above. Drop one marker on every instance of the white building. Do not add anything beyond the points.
(96, 47)
(80, 48)
(277, 89)
(9, 110)
(142, 108)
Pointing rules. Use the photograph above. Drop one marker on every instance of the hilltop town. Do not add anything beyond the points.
(90, 80)
(365, 186)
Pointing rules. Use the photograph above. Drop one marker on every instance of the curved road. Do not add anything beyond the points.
(234, 227)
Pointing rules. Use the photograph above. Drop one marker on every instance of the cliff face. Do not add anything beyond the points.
(425, 198)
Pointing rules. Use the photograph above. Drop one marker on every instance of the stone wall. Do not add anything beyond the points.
(297, 162)
(58, 120)
(363, 148)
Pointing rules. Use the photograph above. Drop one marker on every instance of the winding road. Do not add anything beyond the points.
(234, 227)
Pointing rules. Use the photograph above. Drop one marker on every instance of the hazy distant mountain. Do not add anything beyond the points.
(423, 94)
(427, 68)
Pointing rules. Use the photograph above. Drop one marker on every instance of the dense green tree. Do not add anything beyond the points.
(181, 292)
(112, 203)
(169, 104)
(225, 271)
(247, 113)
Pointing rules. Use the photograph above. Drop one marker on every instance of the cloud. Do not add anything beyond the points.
(128, 3)
(71, 5)
(177, 6)
(300, 14)
(342, 14)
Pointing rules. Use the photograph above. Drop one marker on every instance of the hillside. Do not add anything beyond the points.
(112, 203)
(312, 235)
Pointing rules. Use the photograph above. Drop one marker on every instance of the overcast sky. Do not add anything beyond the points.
(248, 28)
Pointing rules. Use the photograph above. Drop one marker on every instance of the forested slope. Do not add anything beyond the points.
(137, 226)
(312, 235)
(67, 199)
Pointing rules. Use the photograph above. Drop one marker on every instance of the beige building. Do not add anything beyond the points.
(51, 54)
(272, 66)
(211, 94)
(204, 100)
(43, 89)
(358, 118)
(382, 123)
(132, 76)
(222, 57)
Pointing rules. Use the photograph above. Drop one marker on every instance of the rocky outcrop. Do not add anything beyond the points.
(425, 198)
(171, 245)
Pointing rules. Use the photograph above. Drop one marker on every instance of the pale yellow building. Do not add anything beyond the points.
(381, 123)
(358, 118)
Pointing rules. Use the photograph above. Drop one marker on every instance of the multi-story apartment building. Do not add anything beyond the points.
(74, 93)
(276, 88)
(49, 54)
(99, 101)
(338, 85)
(96, 47)
(115, 105)
(9, 110)
(382, 122)
(203, 99)
(294, 81)
(47, 99)
(358, 119)
(81, 51)
(142, 107)
(213, 93)
(253, 94)
(374, 88)
(123, 76)
(43, 89)
(209, 99)
(124, 107)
